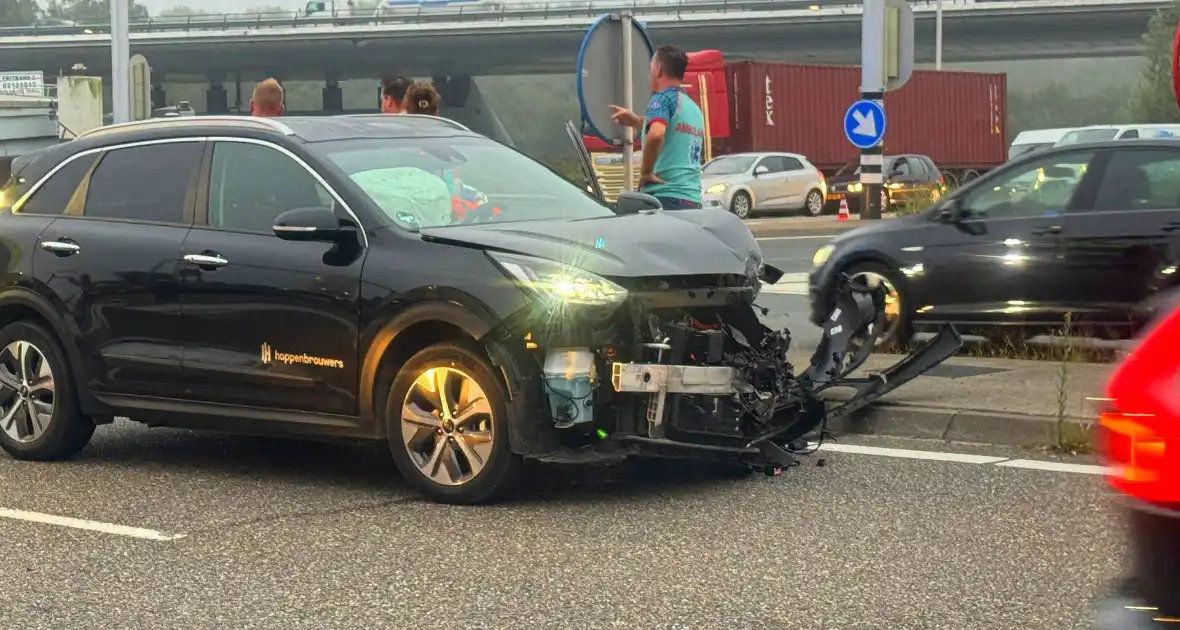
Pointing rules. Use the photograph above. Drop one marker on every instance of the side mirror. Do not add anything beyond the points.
(760, 170)
(636, 202)
(951, 211)
(307, 224)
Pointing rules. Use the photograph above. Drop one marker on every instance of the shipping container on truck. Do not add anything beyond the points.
(958, 119)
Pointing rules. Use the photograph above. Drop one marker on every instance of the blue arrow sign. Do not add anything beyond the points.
(864, 124)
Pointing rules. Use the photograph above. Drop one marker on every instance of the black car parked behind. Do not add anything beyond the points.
(1089, 230)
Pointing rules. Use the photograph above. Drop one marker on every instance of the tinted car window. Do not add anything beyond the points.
(250, 185)
(53, 196)
(792, 164)
(1129, 134)
(1042, 187)
(145, 183)
(901, 168)
(1142, 179)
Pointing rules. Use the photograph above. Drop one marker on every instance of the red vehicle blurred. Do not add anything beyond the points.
(1140, 436)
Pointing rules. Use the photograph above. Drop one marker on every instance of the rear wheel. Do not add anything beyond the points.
(741, 205)
(39, 412)
(814, 203)
(447, 426)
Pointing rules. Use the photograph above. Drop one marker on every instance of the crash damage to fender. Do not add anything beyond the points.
(673, 365)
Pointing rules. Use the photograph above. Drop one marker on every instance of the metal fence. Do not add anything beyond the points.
(459, 13)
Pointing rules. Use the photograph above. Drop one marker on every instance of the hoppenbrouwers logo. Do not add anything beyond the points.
(271, 356)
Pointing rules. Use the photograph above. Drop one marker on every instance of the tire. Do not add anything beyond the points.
(741, 205)
(460, 483)
(66, 431)
(813, 204)
(901, 332)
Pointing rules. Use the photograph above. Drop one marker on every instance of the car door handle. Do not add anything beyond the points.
(1052, 230)
(64, 247)
(209, 260)
(1172, 227)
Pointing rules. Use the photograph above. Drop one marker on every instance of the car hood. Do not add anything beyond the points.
(673, 243)
(883, 226)
(707, 181)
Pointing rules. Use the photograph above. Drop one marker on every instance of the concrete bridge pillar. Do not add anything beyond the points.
(463, 102)
(216, 99)
(333, 97)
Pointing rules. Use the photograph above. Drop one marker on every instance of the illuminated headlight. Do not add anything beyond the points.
(558, 282)
(855, 187)
(822, 255)
(716, 189)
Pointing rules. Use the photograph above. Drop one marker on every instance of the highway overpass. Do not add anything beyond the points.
(545, 38)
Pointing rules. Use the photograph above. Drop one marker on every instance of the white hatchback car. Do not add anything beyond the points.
(744, 183)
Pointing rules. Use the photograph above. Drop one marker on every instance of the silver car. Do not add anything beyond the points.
(747, 182)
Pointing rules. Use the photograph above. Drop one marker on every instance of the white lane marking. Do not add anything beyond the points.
(963, 458)
(909, 454)
(94, 526)
(1032, 464)
(795, 238)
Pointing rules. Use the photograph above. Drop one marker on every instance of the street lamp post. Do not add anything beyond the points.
(120, 62)
(938, 35)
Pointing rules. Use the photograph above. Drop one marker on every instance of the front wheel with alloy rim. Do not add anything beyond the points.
(896, 331)
(39, 415)
(446, 420)
(814, 204)
(741, 204)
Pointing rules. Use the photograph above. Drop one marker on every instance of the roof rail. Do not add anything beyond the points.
(445, 121)
(193, 120)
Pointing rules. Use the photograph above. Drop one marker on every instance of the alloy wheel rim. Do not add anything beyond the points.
(741, 206)
(27, 392)
(815, 205)
(447, 426)
(892, 304)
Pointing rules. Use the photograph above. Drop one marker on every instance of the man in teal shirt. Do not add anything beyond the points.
(673, 134)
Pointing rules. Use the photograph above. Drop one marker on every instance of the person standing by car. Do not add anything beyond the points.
(393, 94)
(673, 134)
(267, 99)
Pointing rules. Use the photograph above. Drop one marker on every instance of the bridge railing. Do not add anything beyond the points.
(484, 11)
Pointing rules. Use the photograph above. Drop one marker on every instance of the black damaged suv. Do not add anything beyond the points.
(389, 278)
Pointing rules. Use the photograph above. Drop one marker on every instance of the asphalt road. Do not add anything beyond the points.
(291, 536)
(787, 300)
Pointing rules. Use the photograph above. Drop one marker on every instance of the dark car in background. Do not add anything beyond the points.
(1087, 230)
(909, 179)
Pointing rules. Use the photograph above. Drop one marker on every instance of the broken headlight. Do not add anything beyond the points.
(558, 282)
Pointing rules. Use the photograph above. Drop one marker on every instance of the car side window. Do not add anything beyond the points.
(143, 183)
(1129, 134)
(1140, 179)
(1041, 188)
(54, 195)
(250, 185)
(774, 163)
(792, 164)
(901, 168)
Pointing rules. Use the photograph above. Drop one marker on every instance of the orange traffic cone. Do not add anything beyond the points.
(843, 209)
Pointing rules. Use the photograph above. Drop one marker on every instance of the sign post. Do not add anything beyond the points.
(120, 62)
(628, 104)
(886, 63)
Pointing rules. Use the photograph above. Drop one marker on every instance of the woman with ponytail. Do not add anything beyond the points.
(422, 99)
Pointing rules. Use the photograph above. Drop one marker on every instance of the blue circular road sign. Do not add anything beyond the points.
(864, 124)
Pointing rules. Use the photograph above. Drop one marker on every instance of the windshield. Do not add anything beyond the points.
(1088, 135)
(1018, 150)
(729, 165)
(413, 181)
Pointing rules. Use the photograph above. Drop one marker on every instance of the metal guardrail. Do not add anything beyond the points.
(446, 13)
